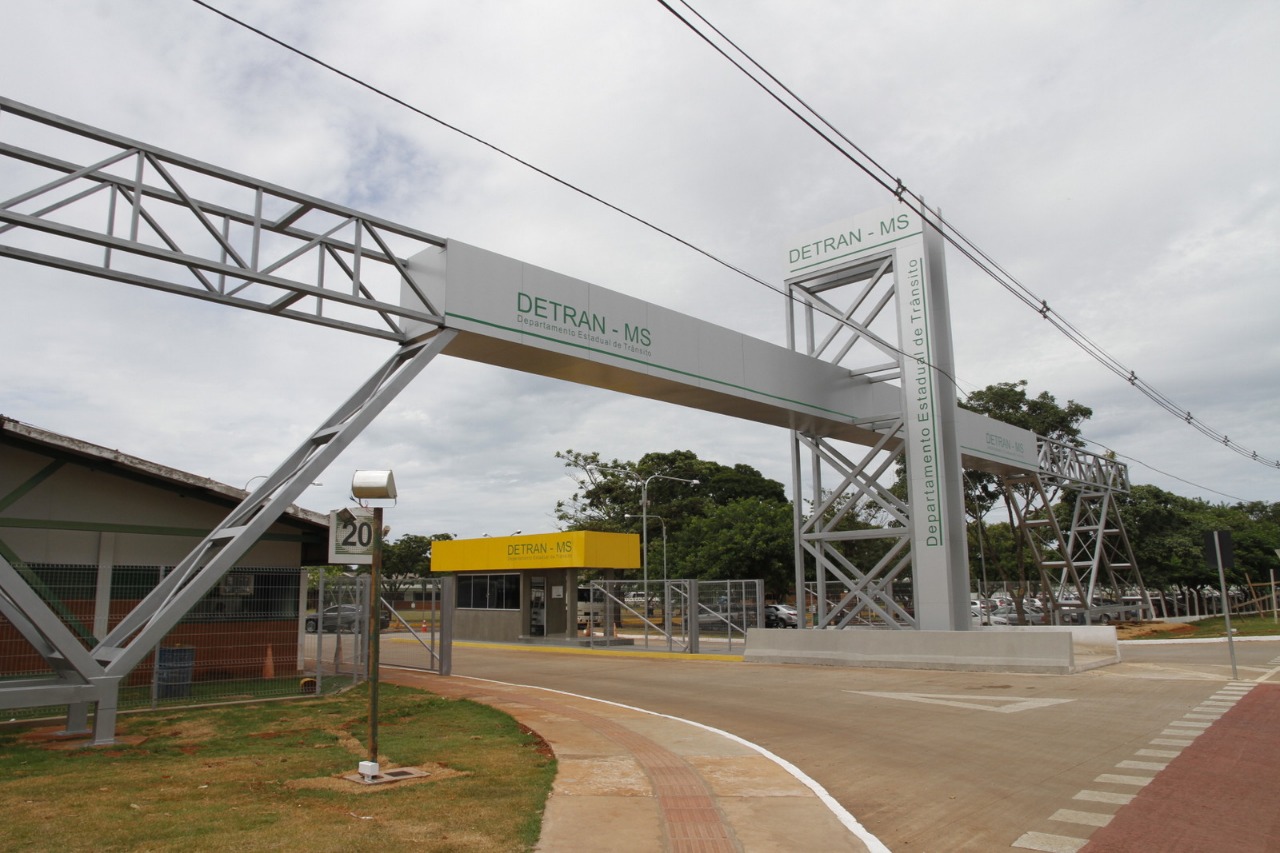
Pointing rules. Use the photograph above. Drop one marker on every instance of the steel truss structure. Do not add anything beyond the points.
(1087, 569)
(139, 215)
(857, 531)
(113, 208)
(867, 585)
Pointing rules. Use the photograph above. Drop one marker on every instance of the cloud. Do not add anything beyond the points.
(1118, 160)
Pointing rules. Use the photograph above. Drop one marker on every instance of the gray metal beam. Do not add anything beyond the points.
(133, 638)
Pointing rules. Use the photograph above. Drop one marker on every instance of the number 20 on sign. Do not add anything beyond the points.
(351, 536)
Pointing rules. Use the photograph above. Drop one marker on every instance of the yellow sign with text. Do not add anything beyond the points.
(574, 549)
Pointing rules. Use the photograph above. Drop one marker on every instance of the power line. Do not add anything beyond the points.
(874, 170)
(562, 182)
(965, 246)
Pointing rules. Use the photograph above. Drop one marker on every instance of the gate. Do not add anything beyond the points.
(687, 616)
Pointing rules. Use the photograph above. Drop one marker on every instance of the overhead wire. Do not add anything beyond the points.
(954, 237)
(558, 180)
(875, 171)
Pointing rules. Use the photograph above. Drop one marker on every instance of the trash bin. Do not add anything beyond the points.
(174, 667)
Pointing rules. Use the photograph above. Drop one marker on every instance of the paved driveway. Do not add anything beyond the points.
(933, 761)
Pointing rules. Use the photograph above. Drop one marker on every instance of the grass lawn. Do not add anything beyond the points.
(268, 777)
(1244, 626)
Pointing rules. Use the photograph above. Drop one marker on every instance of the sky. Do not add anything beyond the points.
(1118, 158)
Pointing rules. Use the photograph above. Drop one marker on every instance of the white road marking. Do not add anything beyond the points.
(1086, 818)
(998, 704)
(1159, 753)
(1142, 765)
(1049, 843)
(1164, 741)
(1104, 797)
(1117, 779)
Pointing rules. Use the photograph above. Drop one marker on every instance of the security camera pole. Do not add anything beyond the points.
(375, 631)
(378, 485)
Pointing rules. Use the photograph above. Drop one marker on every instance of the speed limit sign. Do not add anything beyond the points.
(351, 536)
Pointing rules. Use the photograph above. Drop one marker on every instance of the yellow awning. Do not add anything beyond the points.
(575, 549)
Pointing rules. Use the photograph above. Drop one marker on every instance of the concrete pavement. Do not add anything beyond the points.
(631, 781)
(928, 761)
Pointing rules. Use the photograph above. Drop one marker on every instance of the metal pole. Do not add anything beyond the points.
(644, 535)
(375, 632)
(1226, 604)
(1275, 617)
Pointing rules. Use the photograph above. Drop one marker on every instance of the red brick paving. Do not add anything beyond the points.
(1219, 796)
(691, 822)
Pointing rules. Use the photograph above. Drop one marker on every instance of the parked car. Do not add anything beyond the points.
(980, 617)
(1009, 613)
(345, 618)
(781, 616)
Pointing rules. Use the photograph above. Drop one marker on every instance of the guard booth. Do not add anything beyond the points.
(525, 588)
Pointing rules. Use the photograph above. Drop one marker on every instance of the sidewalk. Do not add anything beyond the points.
(629, 780)
(1217, 795)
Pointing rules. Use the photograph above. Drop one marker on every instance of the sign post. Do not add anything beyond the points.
(939, 549)
(352, 536)
(1217, 549)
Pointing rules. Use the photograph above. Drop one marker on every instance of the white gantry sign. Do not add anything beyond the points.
(516, 315)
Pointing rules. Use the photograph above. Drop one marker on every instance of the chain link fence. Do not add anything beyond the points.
(679, 615)
(261, 633)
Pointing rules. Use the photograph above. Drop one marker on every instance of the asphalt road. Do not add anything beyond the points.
(931, 761)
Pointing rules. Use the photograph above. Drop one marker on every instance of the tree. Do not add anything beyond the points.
(407, 559)
(608, 492)
(745, 538)
(1042, 415)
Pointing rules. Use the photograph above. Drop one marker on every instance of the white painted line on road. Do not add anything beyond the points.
(1188, 725)
(846, 818)
(1104, 797)
(998, 704)
(1209, 717)
(1117, 779)
(1159, 753)
(1142, 765)
(1164, 741)
(1086, 818)
(1049, 843)
(1181, 732)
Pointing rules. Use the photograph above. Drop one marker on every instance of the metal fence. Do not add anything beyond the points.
(688, 616)
(261, 633)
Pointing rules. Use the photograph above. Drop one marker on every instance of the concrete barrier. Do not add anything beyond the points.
(994, 649)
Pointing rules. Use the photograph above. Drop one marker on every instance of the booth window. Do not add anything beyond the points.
(489, 592)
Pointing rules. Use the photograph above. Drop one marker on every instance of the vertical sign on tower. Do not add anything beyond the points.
(939, 551)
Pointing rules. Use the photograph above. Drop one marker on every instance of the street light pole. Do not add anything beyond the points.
(644, 525)
(644, 516)
(666, 592)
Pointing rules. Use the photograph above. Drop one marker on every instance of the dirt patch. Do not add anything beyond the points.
(538, 744)
(1140, 630)
(436, 773)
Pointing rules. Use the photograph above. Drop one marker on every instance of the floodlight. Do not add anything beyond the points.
(373, 484)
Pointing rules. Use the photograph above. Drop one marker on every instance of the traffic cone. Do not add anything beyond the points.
(269, 665)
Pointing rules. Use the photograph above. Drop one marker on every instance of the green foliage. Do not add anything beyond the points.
(608, 492)
(1008, 402)
(1167, 533)
(407, 559)
(745, 538)
(266, 777)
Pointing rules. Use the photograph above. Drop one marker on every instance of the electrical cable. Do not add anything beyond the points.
(954, 237)
(562, 182)
(951, 234)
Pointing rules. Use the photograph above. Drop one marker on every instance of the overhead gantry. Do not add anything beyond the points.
(90, 202)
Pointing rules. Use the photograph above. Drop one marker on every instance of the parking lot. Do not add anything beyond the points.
(925, 760)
